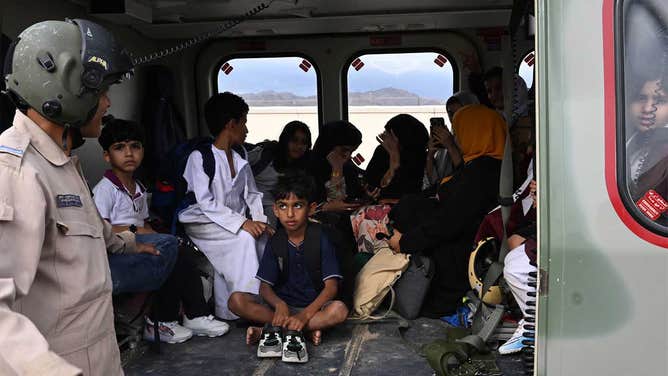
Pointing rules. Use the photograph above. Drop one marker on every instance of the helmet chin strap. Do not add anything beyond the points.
(66, 132)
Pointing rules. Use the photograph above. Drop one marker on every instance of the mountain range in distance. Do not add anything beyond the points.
(382, 97)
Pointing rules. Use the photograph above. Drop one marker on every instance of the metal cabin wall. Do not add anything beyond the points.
(126, 98)
(605, 308)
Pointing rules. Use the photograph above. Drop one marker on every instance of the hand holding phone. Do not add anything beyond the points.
(440, 134)
(437, 122)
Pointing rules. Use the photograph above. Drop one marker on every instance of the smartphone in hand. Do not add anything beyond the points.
(437, 122)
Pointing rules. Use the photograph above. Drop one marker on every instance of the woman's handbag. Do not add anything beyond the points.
(412, 287)
(375, 281)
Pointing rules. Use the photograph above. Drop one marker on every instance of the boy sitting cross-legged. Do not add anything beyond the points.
(299, 276)
(122, 201)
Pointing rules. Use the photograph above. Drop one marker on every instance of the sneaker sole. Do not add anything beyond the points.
(269, 354)
(294, 360)
(171, 342)
(210, 335)
(508, 352)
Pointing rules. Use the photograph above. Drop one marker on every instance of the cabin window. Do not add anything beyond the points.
(278, 90)
(382, 85)
(526, 68)
(642, 112)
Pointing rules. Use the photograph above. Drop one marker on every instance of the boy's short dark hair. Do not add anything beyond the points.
(119, 130)
(296, 182)
(221, 108)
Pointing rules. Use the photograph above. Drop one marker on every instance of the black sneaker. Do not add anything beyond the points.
(294, 348)
(271, 345)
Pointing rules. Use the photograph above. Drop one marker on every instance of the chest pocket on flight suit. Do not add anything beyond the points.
(82, 261)
(81, 251)
(6, 212)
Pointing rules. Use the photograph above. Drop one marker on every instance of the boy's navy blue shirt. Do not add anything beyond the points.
(298, 289)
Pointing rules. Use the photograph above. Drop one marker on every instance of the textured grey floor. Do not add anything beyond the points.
(362, 349)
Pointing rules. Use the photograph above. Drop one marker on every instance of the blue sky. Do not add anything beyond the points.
(414, 72)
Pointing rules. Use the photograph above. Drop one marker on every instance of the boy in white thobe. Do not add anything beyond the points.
(217, 221)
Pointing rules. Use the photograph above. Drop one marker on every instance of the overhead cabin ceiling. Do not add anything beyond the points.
(179, 19)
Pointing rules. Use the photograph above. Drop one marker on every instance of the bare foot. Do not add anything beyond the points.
(315, 337)
(253, 334)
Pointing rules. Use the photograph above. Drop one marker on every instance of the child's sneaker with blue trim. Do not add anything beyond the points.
(517, 342)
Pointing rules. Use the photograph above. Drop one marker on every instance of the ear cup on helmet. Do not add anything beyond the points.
(52, 108)
(92, 78)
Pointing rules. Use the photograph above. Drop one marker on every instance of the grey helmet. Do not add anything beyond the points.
(60, 68)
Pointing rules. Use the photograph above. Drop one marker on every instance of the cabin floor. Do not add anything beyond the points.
(349, 349)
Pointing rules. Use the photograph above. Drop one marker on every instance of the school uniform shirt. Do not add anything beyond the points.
(226, 201)
(297, 290)
(117, 205)
(56, 313)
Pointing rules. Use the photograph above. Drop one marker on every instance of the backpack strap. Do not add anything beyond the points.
(279, 245)
(241, 150)
(312, 250)
(208, 160)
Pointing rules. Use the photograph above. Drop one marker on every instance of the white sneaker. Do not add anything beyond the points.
(206, 326)
(294, 348)
(516, 343)
(170, 331)
(271, 342)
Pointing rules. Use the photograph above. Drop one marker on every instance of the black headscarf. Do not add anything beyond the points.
(336, 133)
(413, 138)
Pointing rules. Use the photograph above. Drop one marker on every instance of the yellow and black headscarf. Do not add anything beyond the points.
(480, 132)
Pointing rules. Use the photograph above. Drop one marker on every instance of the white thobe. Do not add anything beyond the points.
(214, 224)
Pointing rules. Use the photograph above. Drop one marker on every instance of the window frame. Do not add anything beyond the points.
(249, 55)
(384, 51)
(615, 115)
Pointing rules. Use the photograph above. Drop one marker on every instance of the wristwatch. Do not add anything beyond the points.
(133, 229)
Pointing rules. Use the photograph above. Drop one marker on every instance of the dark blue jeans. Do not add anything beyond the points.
(142, 272)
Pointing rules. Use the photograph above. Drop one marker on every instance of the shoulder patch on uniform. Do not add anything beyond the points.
(11, 150)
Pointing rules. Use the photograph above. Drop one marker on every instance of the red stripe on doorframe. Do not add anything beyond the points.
(610, 116)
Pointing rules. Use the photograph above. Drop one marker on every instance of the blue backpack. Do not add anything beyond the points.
(170, 196)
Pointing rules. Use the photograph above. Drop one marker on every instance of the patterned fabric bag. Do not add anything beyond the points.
(367, 222)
